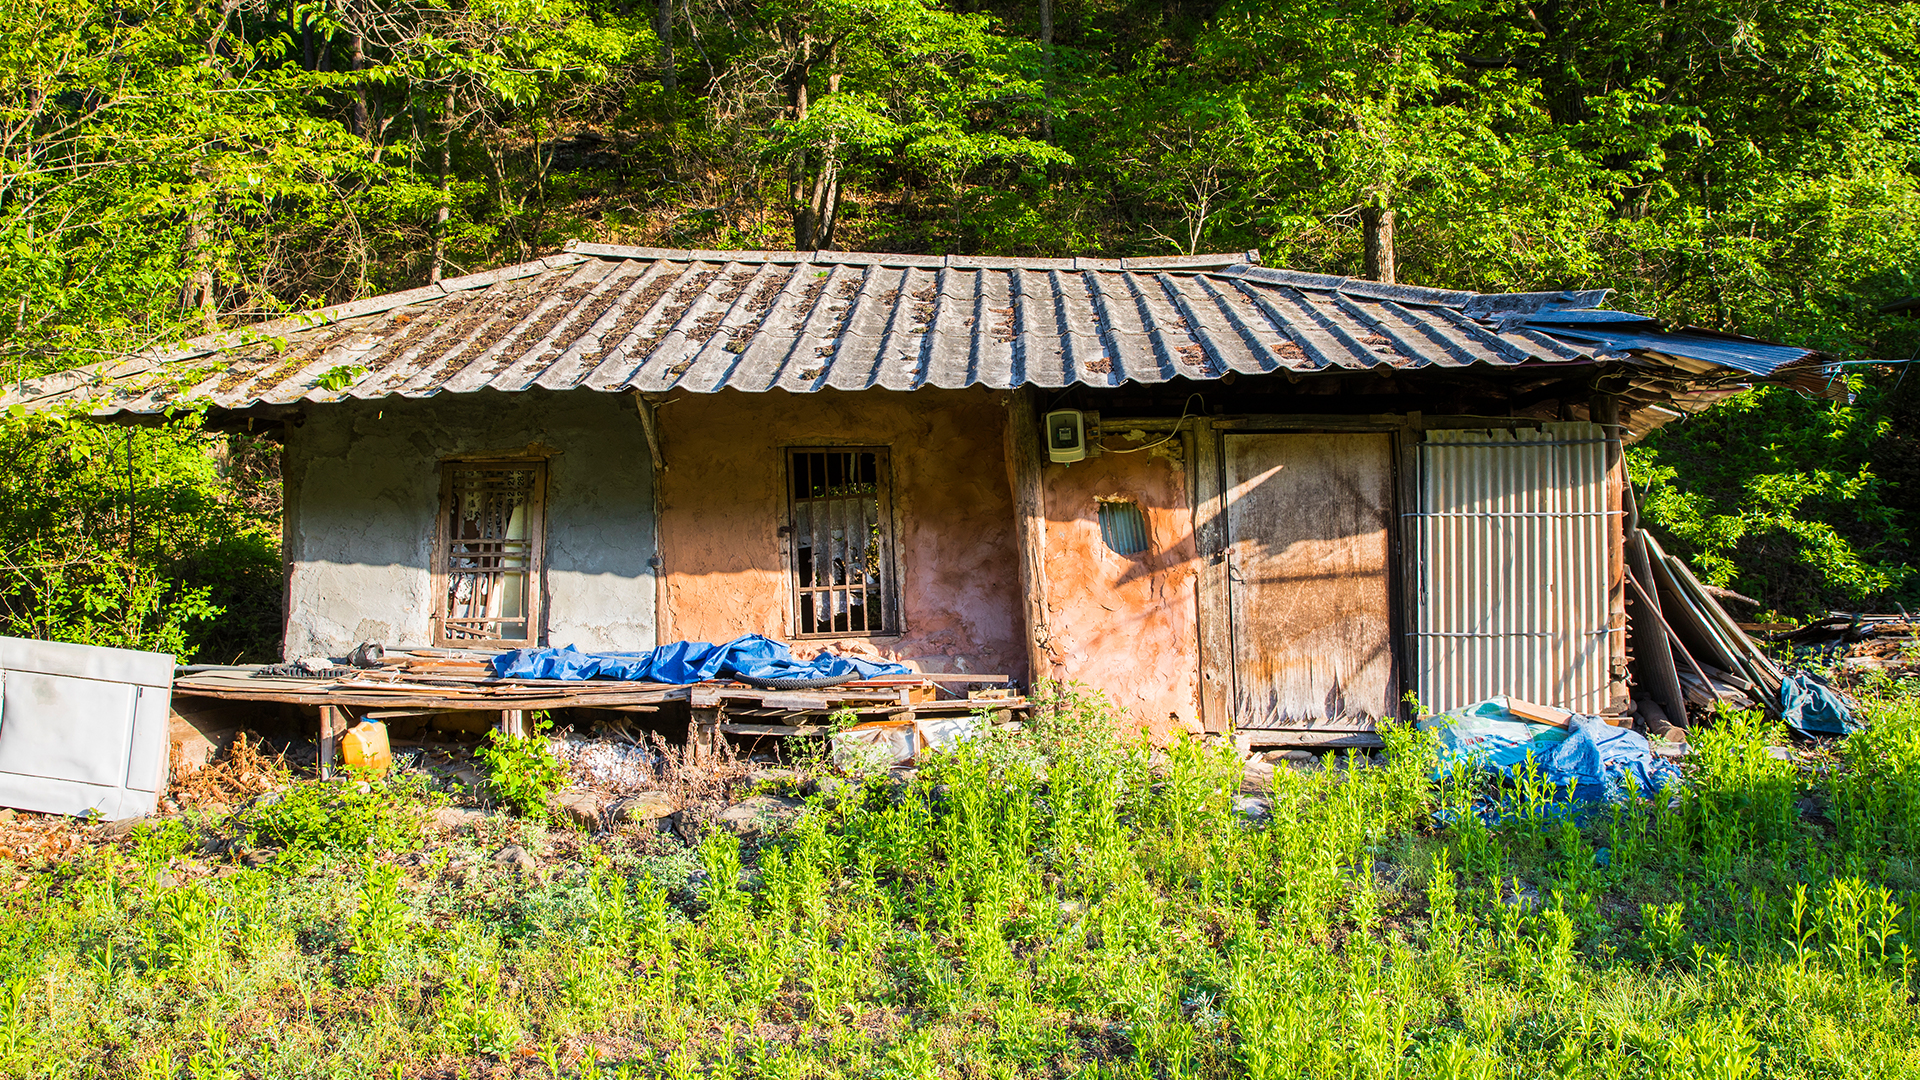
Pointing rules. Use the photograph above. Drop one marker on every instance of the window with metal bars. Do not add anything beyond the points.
(840, 521)
(489, 553)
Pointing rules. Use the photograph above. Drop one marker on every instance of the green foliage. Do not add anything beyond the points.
(1067, 903)
(334, 815)
(141, 538)
(167, 168)
(1779, 497)
(522, 772)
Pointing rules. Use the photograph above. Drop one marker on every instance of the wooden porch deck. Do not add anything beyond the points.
(716, 709)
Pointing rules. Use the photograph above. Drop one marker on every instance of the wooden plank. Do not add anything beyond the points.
(1030, 531)
(1605, 410)
(919, 677)
(448, 701)
(1406, 546)
(772, 729)
(333, 724)
(1308, 520)
(1213, 613)
(1248, 739)
(1305, 422)
(703, 733)
(1654, 651)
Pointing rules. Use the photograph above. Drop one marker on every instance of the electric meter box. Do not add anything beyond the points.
(1066, 435)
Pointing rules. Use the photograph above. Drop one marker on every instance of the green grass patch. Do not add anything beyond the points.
(1056, 903)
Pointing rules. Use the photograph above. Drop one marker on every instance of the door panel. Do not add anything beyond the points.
(1307, 533)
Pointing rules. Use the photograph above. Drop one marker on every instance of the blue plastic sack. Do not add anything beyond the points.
(751, 656)
(1811, 707)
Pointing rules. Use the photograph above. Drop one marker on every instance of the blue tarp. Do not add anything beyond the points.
(1589, 760)
(1811, 707)
(752, 657)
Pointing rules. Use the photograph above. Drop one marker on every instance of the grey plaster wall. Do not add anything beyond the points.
(363, 493)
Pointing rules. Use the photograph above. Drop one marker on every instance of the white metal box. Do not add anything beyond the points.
(82, 728)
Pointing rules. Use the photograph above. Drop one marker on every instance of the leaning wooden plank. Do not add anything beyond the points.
(1729, 629)
(1657, 655)
(1679, 649)
(1738, 651)
(1698, 638)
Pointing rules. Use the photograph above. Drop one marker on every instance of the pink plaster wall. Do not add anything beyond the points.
(723, 497)
(1126, 624)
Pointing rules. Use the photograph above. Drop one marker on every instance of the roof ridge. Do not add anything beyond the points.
(1189, 263)
(352, 309)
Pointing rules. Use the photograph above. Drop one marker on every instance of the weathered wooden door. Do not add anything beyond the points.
(1308, 518)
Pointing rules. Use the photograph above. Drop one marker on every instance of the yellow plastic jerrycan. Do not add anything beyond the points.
(365, 746)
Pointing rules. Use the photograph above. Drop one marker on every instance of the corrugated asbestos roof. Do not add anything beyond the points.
(620, 318)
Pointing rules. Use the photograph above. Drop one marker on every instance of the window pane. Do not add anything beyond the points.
(490, 552)
(839, 539)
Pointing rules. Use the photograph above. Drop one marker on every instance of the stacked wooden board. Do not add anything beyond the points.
(1709, 659)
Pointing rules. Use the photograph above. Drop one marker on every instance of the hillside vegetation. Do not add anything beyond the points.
(172, 165)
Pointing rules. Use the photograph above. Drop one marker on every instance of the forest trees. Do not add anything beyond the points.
(167, 165)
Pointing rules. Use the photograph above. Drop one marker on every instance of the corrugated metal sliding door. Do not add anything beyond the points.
(1307, 533)
(1511, 549)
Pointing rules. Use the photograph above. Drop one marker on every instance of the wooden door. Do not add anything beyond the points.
(1307, 533)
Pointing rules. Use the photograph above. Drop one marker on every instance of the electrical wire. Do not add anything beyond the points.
(1184, 413)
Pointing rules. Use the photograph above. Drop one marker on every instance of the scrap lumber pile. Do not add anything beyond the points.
(1859, 644)
(1691, 654)
(1725, 664)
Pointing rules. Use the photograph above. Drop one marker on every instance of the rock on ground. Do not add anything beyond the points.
(584, 809)
(759, 814)
(457, 820)
(516, 859)
(640, 809)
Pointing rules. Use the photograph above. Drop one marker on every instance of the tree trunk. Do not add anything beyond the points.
(1377, 222)
(797, 164)
(362, 123)
(197, 292)
(663, 29)
(441, 214)
(816, 202)
(824, 202)
(1046, 70)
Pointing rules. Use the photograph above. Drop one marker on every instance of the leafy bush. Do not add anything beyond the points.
(1781, 498)
(333, 815)
(523, 773)
(141, 538)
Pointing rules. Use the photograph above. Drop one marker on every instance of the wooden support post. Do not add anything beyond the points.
(1406, 538)
(703, 733)
(1605, 410)
(1214, 612)
(1030, 531)
(513, 723)
(333, 724)
(650, 422)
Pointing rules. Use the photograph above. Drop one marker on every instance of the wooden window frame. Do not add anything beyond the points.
(443, 570)
(889, 606)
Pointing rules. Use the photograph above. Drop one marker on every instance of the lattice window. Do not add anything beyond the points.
(841, 524)
(490, 552)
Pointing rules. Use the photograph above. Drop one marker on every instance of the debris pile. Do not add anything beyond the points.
(1856, 645)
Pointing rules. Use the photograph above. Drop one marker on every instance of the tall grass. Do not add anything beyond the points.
(1062, 902)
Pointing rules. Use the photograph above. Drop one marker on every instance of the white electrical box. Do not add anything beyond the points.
(82, 728)
(1066, 435)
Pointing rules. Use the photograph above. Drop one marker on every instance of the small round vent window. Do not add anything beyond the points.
(1122, 526)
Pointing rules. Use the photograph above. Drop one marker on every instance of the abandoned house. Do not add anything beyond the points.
(1230, 496)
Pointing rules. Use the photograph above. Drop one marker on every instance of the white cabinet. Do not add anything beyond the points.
(82, 728)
